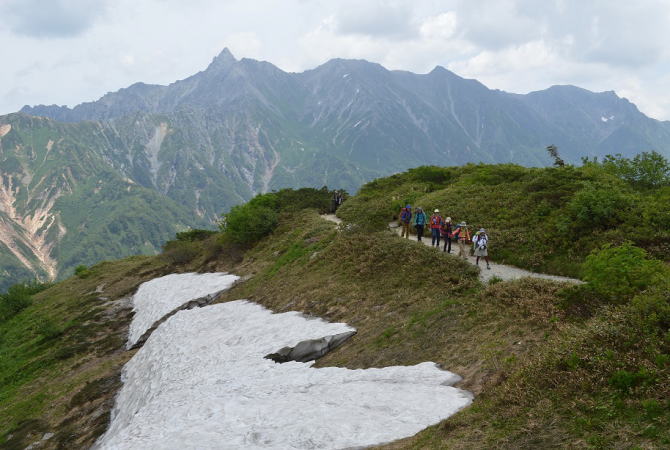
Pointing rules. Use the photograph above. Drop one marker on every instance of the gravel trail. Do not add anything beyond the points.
(502, 271)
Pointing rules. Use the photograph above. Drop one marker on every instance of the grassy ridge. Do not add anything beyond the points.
(542, 219)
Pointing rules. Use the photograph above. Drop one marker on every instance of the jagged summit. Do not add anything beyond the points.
(223, 60)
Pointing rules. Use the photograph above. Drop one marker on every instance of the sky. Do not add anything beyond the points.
(69, 51)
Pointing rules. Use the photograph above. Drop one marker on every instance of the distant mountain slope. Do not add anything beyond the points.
(200, 145)
(62, 204)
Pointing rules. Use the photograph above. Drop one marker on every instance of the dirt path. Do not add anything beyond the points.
(502, 271)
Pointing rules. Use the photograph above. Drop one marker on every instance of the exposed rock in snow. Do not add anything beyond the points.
(311, 349)
(201, 382)
(160, 297)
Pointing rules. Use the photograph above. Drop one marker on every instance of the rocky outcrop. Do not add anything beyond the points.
(311, 349)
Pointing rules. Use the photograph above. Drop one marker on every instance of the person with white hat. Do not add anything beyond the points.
(435, 226)
(481, 243)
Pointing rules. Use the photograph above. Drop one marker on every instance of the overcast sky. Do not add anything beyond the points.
(70, 51)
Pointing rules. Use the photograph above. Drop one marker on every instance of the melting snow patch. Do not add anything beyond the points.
(201, 381)
(161, 296)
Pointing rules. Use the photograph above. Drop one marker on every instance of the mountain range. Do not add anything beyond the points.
(122, 174)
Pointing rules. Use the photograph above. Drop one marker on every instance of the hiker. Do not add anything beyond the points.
(462, 236)
(481, 243)
(446, 231)
(405, 219)
(435, 225)
(419, 223)
(340, 198)
(334, 202)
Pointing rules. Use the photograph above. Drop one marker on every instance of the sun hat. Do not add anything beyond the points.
(436, 210)
(448, 219)
(481, 230)
(462, 224)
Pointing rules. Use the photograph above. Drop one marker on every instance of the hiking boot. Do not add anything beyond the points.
(488, 267)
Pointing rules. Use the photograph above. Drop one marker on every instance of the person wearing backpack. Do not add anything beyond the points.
(446, 231)
(435, 226)
(405, 219)
(481, 243)
(419, 223)
(462, 236)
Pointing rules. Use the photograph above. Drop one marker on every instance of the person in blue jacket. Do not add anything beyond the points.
(419, 222)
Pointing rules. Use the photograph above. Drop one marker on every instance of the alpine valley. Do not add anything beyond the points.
(121, 175)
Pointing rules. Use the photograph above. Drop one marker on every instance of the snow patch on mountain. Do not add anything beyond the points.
(160, 296)
(201, 382)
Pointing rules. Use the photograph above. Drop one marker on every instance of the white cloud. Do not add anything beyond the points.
(441, 26)
(53, 18)
(245, 43)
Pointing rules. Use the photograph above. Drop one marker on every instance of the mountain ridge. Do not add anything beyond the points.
(200, 145)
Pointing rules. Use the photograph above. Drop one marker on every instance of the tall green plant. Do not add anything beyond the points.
(619, 273)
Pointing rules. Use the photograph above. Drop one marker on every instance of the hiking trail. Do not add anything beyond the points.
(502, 271)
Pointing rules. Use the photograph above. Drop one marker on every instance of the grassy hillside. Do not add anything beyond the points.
(550, 365)
(542, 219)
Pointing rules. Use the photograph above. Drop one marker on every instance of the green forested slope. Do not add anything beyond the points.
(64, 205)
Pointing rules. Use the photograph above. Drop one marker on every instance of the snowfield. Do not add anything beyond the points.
(201, 382)
(160, 296)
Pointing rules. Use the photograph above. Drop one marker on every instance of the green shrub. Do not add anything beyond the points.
(82, 271)
(181, 252)
(597, 207)
(654, 307)
(194, 235)
(249, 223)
(433, 174)
(554, 185)
(618, 273)
(299, 199)
(18, 297)
(647, 169)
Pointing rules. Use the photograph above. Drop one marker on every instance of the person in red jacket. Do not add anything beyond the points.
(435, 226)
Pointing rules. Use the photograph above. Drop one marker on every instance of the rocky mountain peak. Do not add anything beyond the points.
(222, 61)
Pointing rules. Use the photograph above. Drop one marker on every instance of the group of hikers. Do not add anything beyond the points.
(443, 228)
